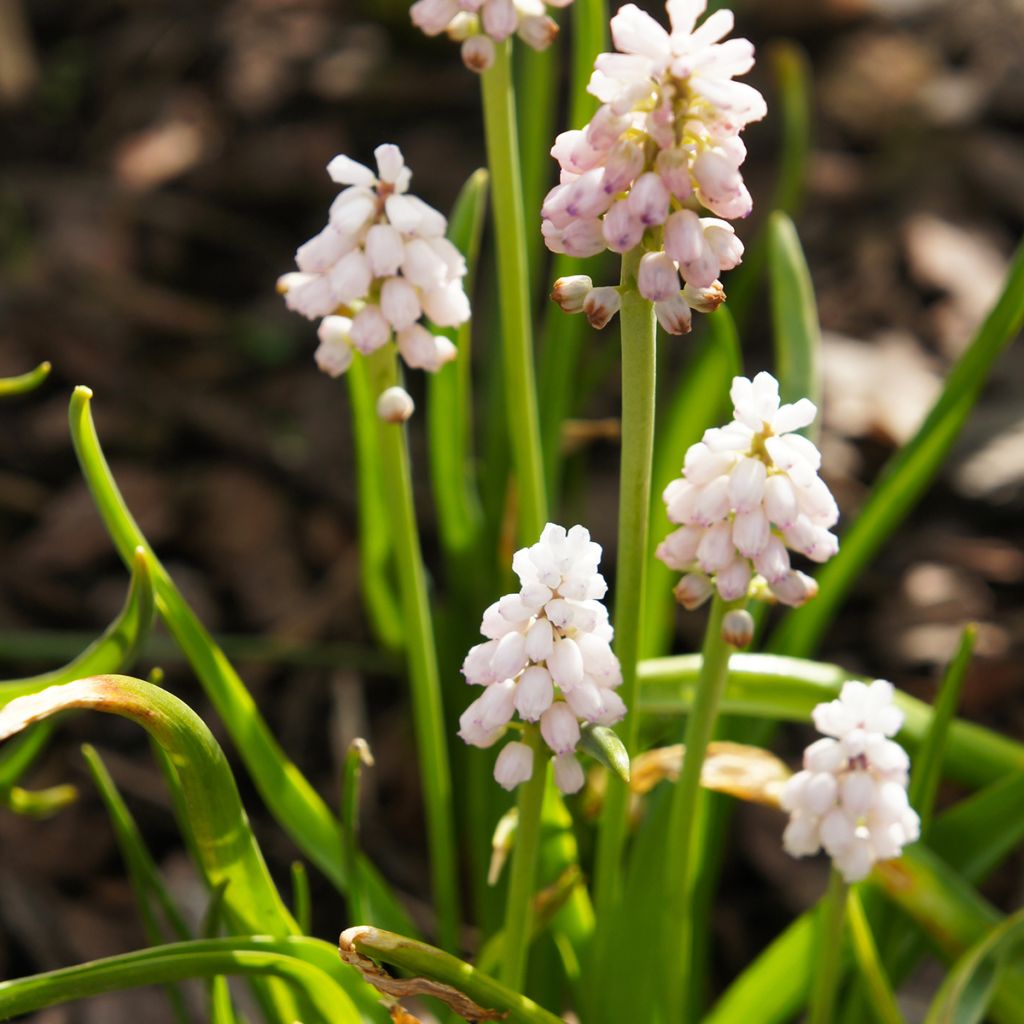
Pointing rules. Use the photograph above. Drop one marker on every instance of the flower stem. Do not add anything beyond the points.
(680, 856)
(523, 872)
(831, 921)
(514, 292)
(639, 336)
(428, 714)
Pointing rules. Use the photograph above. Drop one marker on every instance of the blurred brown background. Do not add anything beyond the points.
(159, 163)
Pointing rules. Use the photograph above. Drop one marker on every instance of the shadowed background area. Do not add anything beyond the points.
(160, 163)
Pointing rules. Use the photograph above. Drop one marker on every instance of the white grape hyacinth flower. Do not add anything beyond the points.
(547, 658)
(480, 24)
(748, 495)
(380, 265)
(851, 797)
(663, 149)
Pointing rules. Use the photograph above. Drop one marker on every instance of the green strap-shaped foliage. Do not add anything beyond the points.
(291, 799)
(225, 843)
(376, 548)
(973, 837)
(179, 962)
(450, 397)
(147, 883)
(115, 650)
(25, 382)
(970, 986)
(909, 472)
(795, 328)
(775, 687)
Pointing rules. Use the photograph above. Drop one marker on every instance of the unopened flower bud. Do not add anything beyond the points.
(738, 627)
(600, 305)
(569, 776)
(514, 765)
(569, 292)
(334, 353)
(673, 166)
(625, 162)
(795, 588)
(291, 280)
(648, 199)
(538, 31)
(657, 280)
(674, 315)
(395, 405)
(478, 53)
(705, 300)
(693, 590)
(462, 26)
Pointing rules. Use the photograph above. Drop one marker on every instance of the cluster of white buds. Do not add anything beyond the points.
(851, 797)
(381, 263)
(664, 145)
(749, 491)
(479, 24)
(548, 657)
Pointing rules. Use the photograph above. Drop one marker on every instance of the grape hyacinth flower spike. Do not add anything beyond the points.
(379, 266)
(851, 797)
(547, 657)
(749, 494)
(479, 24)
(663, 150)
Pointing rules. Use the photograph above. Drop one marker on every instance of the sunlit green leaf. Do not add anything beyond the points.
(25, 382)
(909, 472)
(295, 804)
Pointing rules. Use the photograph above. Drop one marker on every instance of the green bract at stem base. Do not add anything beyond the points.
(639, 351)
(424, 678)
(514, 292)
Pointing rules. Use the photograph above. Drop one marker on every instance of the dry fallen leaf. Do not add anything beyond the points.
(747, 773)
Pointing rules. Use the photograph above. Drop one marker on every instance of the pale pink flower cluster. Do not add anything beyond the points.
(664, 144)
(547, 656)
(851, 797)
(381, 263)
(479, 24)
(749, 491)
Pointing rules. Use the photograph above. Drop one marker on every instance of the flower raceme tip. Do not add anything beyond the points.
(664, 145)
(479, 24)
(380, 265)
(851, 796)
(748, 495)
(547, 657)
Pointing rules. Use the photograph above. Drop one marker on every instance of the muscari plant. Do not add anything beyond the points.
(592, 894)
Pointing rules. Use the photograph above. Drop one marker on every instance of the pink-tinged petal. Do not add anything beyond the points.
(569, 777)
(674, 315)
(716, 549)
(350, 278)
(732, 582)
(514, 765)
(346, 171)
(750, 532)
(716, 26)
(560, 729)
(683, 15)
(794, 417)
(634, 31)
(322, 251)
